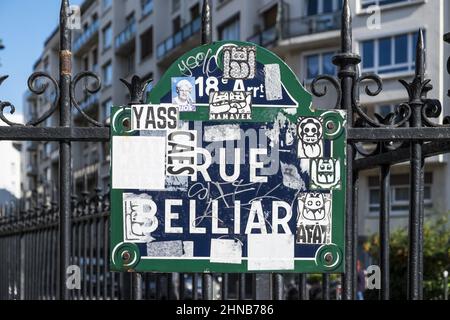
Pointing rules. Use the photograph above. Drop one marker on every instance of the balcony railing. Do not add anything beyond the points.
(125, 36)
(174, 41)
(86, 36)
(265, 38)
(311, 24)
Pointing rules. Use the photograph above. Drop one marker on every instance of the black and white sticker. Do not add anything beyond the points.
(310, 133)
(325, 174)
(239, 63)
(230, 105)
(314, 218)
(154, 117)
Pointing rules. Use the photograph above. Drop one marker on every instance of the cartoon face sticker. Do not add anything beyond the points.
(310, 133)
(325, 174)
(314, 218)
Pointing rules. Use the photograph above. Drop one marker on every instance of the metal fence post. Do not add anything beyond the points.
(347, 62)
(65, 149)
(416, 90)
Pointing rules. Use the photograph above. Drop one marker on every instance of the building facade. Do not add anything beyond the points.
(119, 38)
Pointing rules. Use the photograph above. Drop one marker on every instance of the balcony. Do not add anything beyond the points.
(179, 42)
(308, 25)
(124, 42)
(265, 38)
(86, 37)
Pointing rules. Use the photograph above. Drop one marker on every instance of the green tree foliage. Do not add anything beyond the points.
(436, 255)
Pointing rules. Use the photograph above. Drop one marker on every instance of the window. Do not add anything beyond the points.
(195, 11)
(107, 74)
(389, 54)
(319, 63)
(176, 24)
(95, 59)
(399, 193)
(316, 7)
(107, 37)
(147, 44)
(230, 30)
(367, 3)
(147, 7)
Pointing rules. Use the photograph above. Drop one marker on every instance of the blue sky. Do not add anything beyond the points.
(24, 26)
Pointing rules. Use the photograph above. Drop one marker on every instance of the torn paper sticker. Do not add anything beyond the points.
(274, 89)
(222, 133)
(270, 252)
(176, 249)
(139, 213)
(138, 163)
(291, 177)
(226, 251)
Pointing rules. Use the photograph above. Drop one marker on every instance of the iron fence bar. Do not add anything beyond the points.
(195, 286)
(242, 287)
(400, 155)
(207, 286)
(97, 258)
(385, 206)
(302, 286)
(326, 286)
(347, 62)
(278, 291)
(56, 134)
(398, 134)
(225, 286)
(417, 182)
(65, 63)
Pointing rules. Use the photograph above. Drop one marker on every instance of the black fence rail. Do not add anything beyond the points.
(29, 246)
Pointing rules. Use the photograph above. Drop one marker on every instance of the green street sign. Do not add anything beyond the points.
(228, 168)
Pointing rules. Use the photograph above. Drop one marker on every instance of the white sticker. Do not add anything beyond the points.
(222, 133)
(138, 163)
(154, 117)
(226, 251)
(274, 91)
(270, 252)
(314, 218)
(139, 213)
(310, 133)
(177, 249)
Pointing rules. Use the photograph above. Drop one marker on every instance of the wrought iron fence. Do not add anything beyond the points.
(38, 245)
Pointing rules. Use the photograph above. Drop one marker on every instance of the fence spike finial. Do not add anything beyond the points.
(3, 78)
(420, 55)
(346, 27)
(206, 22)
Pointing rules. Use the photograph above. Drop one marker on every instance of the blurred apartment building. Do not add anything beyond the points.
(120, 38)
